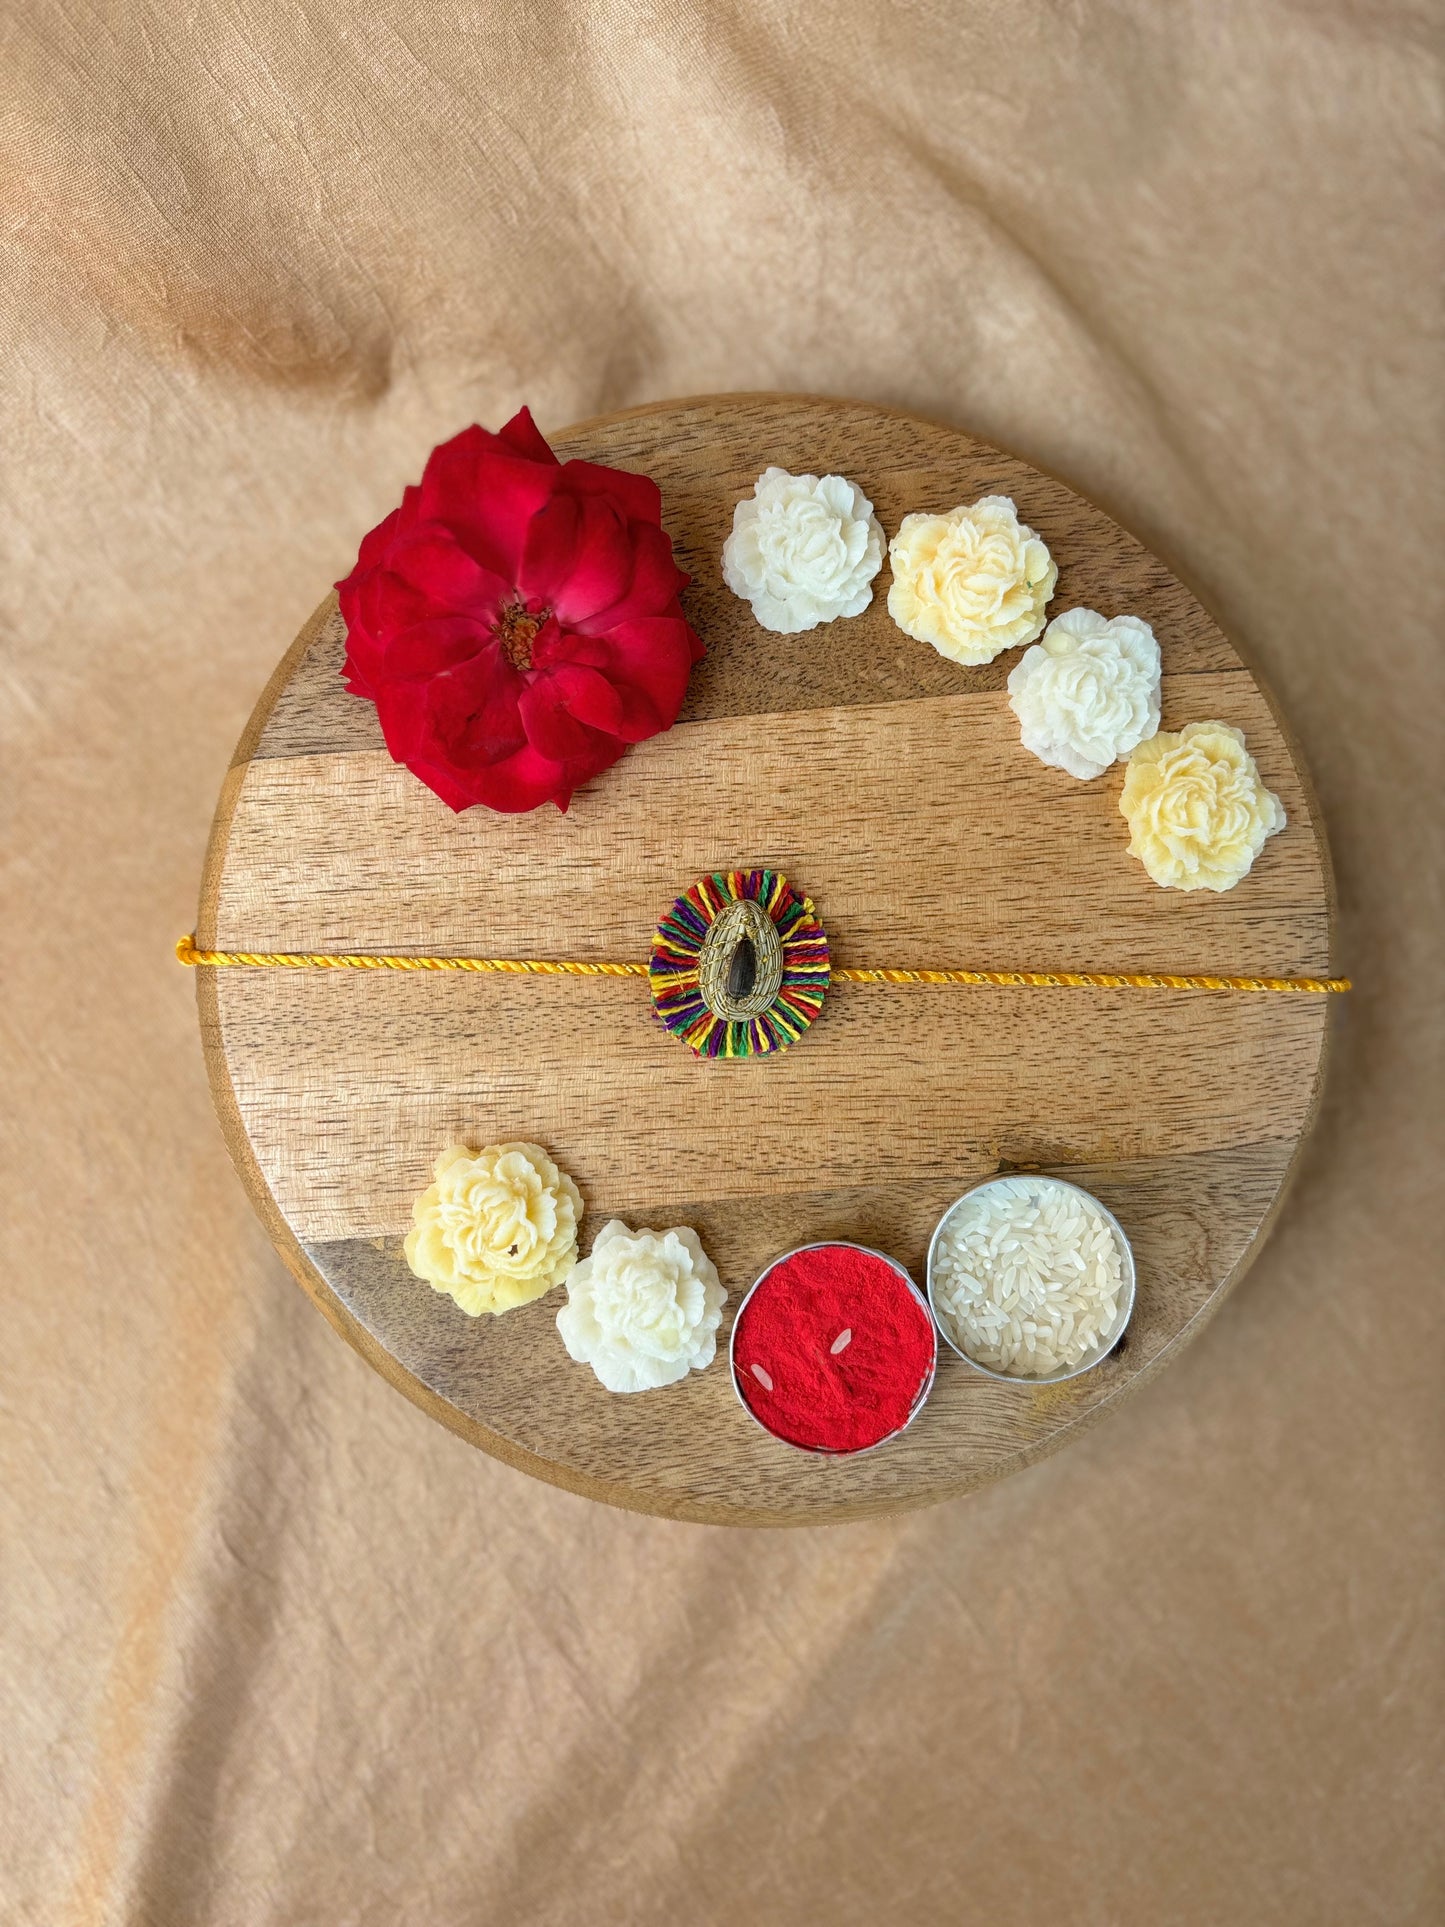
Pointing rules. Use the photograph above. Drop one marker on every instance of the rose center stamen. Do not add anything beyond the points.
(516, 630)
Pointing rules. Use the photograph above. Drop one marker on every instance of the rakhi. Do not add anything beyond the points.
(740, 967)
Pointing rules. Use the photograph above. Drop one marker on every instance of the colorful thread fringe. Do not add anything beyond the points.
(674, 971)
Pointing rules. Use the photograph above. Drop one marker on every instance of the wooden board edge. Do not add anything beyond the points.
(1313, 810)
(656, 1504)
(250, 737)
(1167, 1354)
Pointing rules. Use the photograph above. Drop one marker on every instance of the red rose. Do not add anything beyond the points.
(516, 621)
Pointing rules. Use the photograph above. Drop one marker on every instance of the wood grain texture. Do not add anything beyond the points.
(891, 786)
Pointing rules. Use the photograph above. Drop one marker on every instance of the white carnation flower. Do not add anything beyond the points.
(803, 550)
(1088, 691)
(643, 1307)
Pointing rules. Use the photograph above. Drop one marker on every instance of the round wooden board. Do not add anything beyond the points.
(890, 785)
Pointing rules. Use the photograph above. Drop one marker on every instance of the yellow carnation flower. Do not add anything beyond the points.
(497, 1228)
(1197, 809)
(972, 582)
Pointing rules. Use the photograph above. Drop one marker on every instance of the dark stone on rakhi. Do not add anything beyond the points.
(742, 970)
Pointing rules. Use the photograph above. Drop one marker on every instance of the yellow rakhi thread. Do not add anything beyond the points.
(187, 953)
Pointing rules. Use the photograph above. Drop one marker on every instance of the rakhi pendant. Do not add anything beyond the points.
(739, 964)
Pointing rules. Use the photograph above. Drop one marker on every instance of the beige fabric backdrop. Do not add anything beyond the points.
(276, 1648)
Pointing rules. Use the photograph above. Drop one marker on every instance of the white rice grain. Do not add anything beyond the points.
(1027, 1276)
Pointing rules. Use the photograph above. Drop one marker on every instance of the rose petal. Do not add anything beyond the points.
(650, 660)
(618, 708)
(549, 726)
(375, 543)
(402, 712)
(486, 493)
(435, 566)
(473, 709)
(389, 609)
(528, 778)
(523, 434)
(522, 781)
(362, 643)
(427, 648)
(588, 696)
(547, 548)
(456, 794)
(553, 644)
(579, 556)
(651, 587)
(638, 495)
(460, 716)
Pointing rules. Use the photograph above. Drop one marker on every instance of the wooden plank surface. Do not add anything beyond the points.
(891, 786)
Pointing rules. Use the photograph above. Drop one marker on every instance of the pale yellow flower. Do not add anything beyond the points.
(1197, 809)
(972, 582)
(497, 1228)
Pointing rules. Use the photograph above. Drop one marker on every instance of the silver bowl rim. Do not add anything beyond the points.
(920, 1397)
(1131, 1283)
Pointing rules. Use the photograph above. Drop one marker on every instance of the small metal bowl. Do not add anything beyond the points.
(1110, 1338)
(921, 1397)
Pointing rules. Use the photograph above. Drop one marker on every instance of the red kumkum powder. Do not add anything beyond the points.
(831, 1349)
